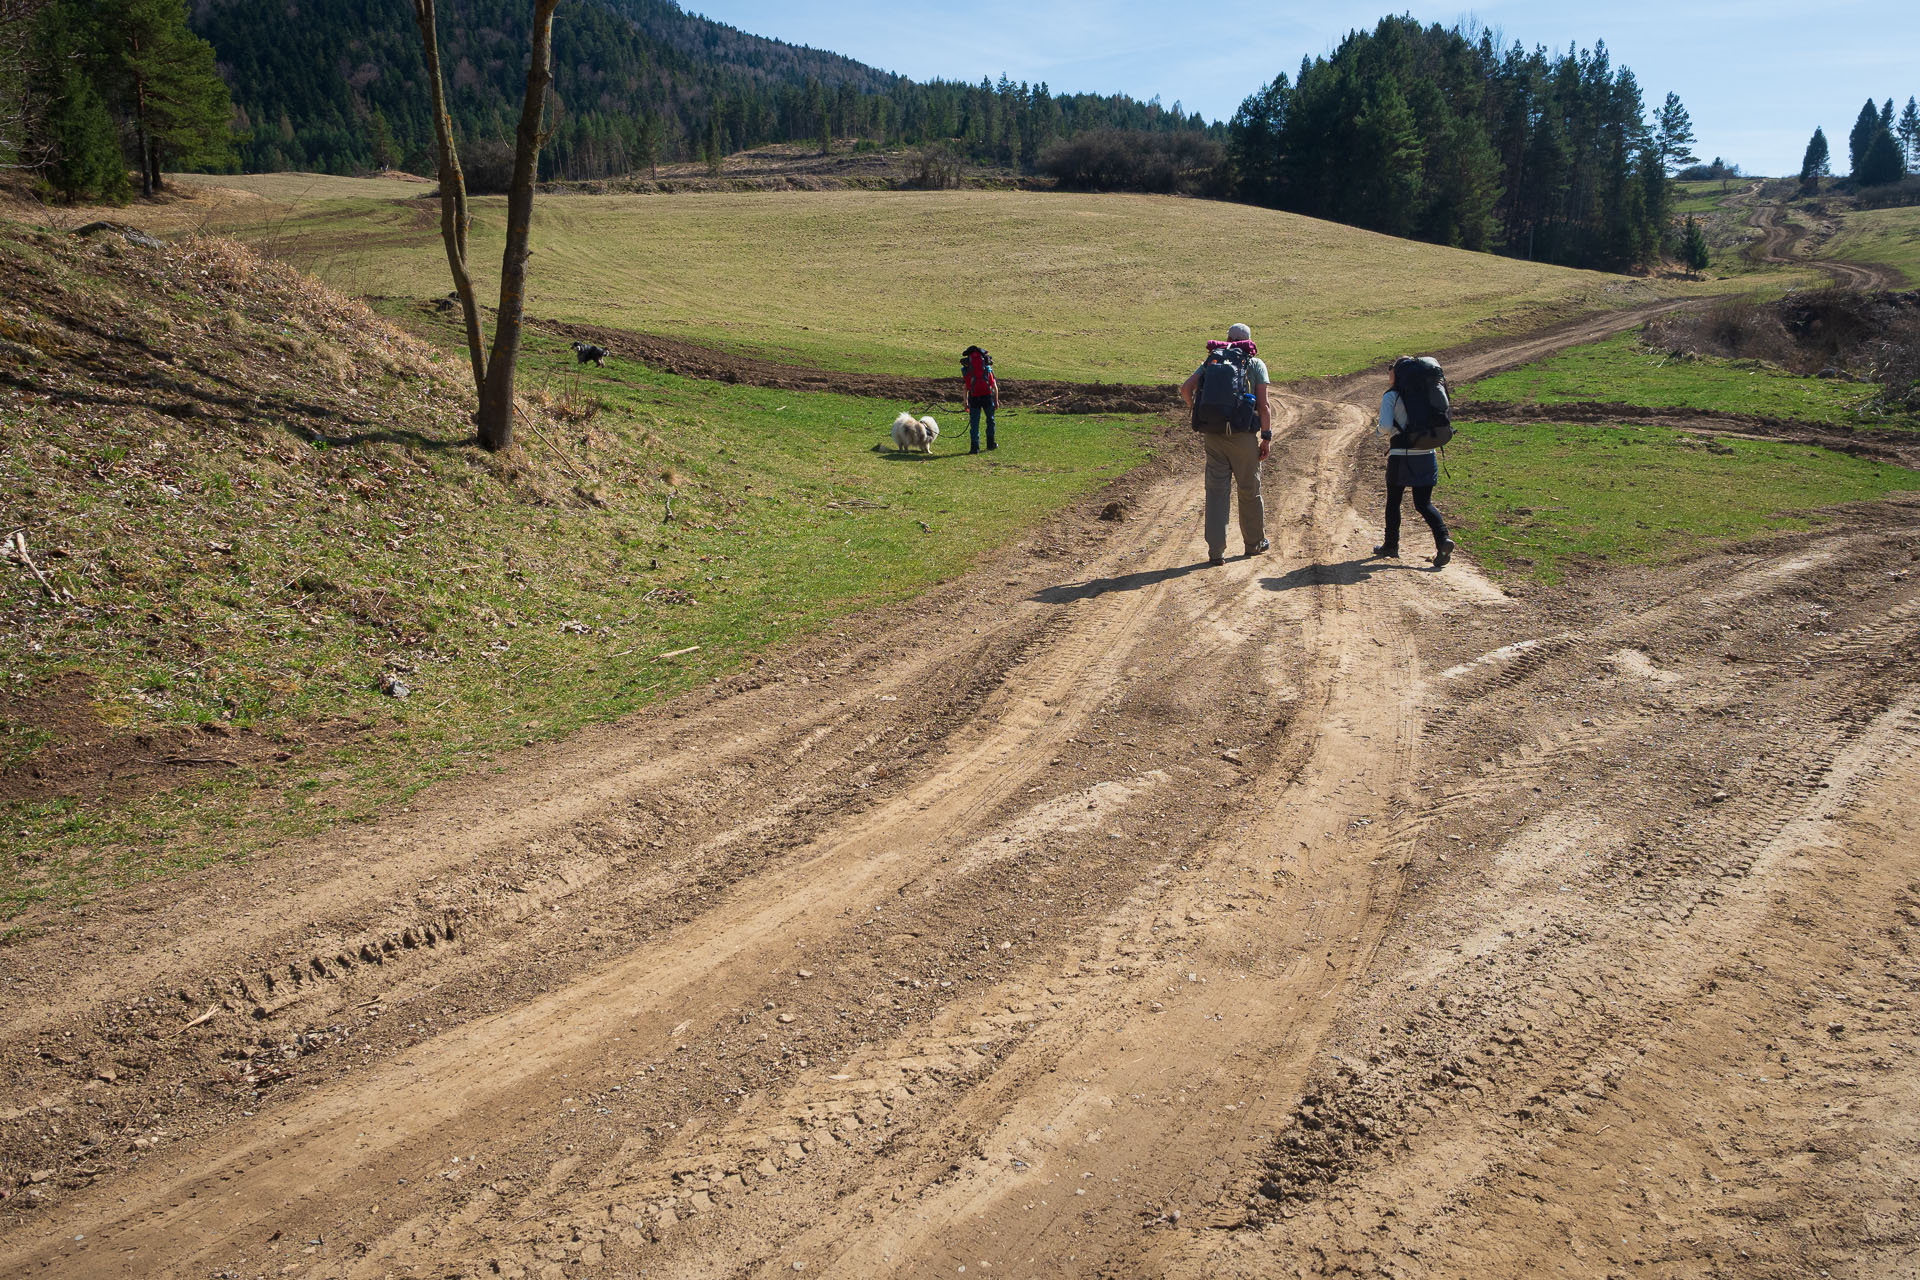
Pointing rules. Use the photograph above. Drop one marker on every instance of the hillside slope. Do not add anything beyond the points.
(343, 90)
(259, 517)
(1116, 288)
(308, 91)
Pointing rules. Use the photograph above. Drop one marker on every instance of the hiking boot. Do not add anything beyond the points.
(1388, 551)
(1259, 548)
(1442, 554)
(1217, 560)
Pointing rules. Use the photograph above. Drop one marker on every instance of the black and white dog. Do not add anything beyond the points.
(587, 353)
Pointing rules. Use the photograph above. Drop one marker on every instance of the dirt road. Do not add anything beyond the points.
(1103, 914)
(1780, 237)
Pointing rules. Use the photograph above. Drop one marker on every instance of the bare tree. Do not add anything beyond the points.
(493, 370)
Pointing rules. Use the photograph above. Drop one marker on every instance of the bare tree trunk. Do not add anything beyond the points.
(140, 129)
(496, 396)
(454, 219)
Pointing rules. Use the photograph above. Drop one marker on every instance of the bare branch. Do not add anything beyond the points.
(454, 219)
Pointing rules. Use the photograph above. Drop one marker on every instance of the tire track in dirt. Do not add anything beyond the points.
(535, 1040)
(1779, 237)
(1544, 1003)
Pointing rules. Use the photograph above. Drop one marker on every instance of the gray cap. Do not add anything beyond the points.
(1239, 333)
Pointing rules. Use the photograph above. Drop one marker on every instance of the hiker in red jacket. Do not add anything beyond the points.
(983, 393)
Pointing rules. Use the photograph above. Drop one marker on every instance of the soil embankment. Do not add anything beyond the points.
(691, 360)
(1099, 914)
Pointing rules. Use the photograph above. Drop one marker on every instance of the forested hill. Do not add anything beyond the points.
(339, 86)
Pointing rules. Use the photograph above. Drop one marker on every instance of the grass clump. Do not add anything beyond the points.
(1534, 500)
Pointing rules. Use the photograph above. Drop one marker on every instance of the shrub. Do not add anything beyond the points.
(938, 169)
(488, 165)
(1135, 160)
(1891, 195)
(1871, 336)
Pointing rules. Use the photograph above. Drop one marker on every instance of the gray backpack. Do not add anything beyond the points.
(1223, 402)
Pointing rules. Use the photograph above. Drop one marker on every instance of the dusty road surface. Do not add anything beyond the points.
(1104, 914)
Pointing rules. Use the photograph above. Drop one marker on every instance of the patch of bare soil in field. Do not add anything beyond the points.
(82, 755)
(694, 361)
(1101, 914)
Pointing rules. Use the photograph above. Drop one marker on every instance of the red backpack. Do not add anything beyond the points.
(976, 370)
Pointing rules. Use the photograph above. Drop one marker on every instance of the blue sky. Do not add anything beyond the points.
(1756, 77)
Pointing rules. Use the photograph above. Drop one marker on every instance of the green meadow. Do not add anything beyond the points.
(1889, 236)
(1623, 370)
(1532, 500)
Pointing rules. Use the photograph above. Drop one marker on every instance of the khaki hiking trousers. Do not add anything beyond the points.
(1233, 462)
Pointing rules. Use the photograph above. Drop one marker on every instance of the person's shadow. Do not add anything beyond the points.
(1345, 574)
(1067, 593)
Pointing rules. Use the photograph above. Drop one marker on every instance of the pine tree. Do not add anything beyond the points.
(1909, 134)
(1864, 129)
(1815, 165)
(1693, 246)
(163, 82)
(1883, 163)
(77, 137)
(386, 152)
(1673, 135)
(1253, 142)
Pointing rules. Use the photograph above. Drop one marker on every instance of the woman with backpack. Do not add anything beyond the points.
(1418, 382)
(983, 393)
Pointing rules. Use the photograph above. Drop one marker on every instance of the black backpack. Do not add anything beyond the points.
(1223, 402)
(1422, 386)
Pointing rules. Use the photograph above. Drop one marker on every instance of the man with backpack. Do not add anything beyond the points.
(1228, 396)
(1417, 420)
(983, 393)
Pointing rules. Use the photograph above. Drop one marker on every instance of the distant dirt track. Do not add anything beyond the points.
(1778, 238)
(1100, 914)
(694, 361)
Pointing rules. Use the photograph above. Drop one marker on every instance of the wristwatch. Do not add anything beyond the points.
(1266, 433)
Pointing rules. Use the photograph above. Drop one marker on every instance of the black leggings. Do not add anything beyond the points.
(1423, 503)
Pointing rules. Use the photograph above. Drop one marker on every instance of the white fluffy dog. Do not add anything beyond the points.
(911, 433)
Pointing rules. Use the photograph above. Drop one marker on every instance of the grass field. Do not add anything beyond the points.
(1889, 236)
(1529, 500)
(1704, 197)
(1109, 287)
(1623, 371)
(259, 574)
